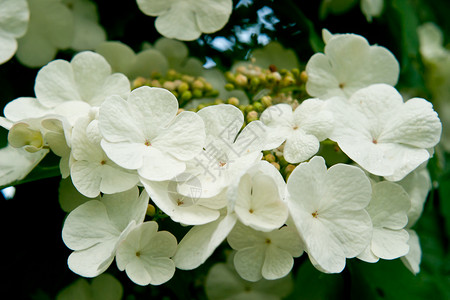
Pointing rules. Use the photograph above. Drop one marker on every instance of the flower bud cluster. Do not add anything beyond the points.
(184, 87)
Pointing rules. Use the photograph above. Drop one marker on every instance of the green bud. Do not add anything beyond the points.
(186, 96)
(252, 116)
(258, 106)
(270, 157)
(233, 101)
(197, 93)
(229, 86)
(183, 87)
(266, 101)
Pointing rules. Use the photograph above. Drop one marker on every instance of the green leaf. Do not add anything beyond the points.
(313, 284)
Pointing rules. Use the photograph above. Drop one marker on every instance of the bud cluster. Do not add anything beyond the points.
(184, 87)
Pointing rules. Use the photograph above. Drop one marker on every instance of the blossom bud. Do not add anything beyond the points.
(270, 157)
(276, 165)
(229, 86)
(233, 101)
(304, 76)
(139, 81)
(241, 80)
(183, 87)
(198, 84)
(186, 96)
(197, 93)
(252, 116)
(151, 210)
(169, 85)
(266, 101)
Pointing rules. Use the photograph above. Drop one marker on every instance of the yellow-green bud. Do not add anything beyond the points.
(276, 165)
(254, 81)
(218, 101)
(241, 80)
(266, 101)
(304, 76)
(180, 110)
(233, 101)
(150, 210)
(270, 157)
(208, 87)
(155, 83)
(252, 116)
(289, 168)
(186, 96)
(258, 106)
(197, 84)
(172, 74)
(197, 93)
(140, 81)
(169, 85)
(229, 86)
(229, 76)
(183, 87)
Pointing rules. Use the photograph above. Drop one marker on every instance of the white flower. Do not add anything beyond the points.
(348, 64)
(188, 210)
(50, 28)
(95, 229)
(384, 135)
(302, 129)
(257, 197)
(223, 283)
(13, 24)
(226, 155)
(187, 19)
(92, 171)
(388, 210)
(87, 31)
(327, 207)
(145, 254)
(145, 133)
(266, 255)
(86, 78)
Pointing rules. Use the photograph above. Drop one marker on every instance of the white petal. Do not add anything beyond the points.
(414, 256)
(300, 146)
(201, 241)
(277, 263)
(222, 121)
(249, 262)
(389, 205)
(184, 138)
(178, 23)
(92, 261)
(390, 244)
(211, 16)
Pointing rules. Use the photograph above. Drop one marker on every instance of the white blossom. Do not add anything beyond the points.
(268, 255)
(144, 133)
(327, 207)
(388, 210)
(348, 64)
(226, 154)
(145, 254)
(187, 19)
(95, 229)
(302, 129)
(50, 28)
(14, 16)
(384, 135)
(92, 171)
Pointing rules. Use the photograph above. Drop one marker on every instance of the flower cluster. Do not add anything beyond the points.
(263, 182)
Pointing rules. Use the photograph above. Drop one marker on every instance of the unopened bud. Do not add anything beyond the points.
(241, 80)
(304, 76)
(252, 116)
(233, 101)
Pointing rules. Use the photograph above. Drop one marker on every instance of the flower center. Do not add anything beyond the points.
(147, 143)
(341, 85)
(315, 214)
